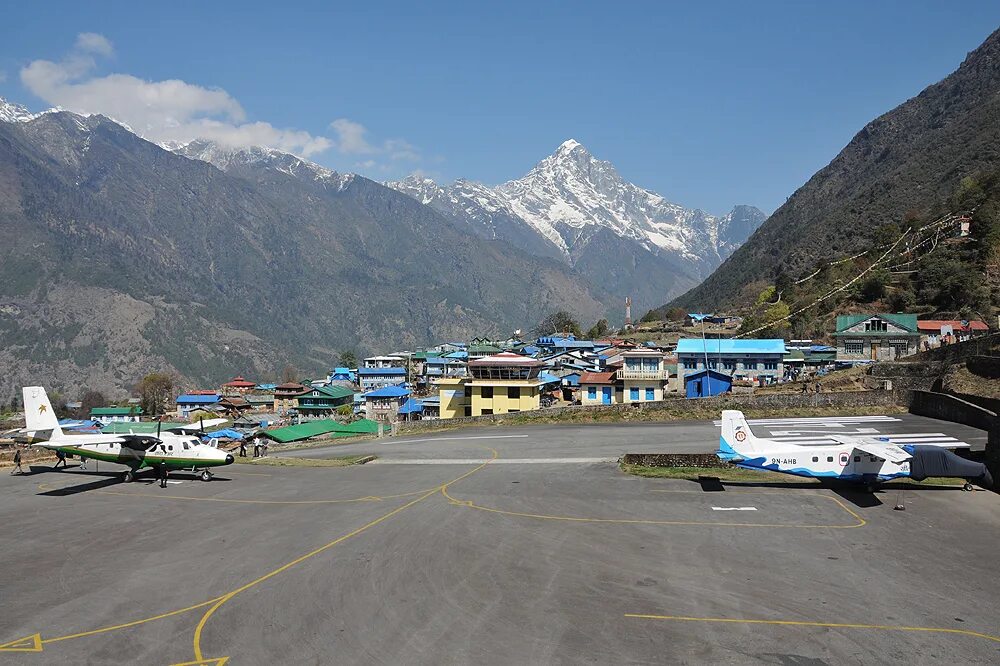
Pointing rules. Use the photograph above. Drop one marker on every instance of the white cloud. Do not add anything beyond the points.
(351, 140)
(170, 110)
(91, 42)
(175, 110)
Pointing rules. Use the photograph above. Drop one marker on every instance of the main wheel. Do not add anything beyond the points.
(206, 475)
(968, 488)
(128, 476)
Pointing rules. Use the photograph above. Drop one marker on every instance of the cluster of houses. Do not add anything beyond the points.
(481, 377)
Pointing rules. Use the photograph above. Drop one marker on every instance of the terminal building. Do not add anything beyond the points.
(503, 383)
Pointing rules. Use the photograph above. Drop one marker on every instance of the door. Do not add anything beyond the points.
(606, 395)
(874, 355)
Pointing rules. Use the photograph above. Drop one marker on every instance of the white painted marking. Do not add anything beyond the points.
(820, 420)
(169, 481)
(389, 440)
(499, 461)
(734, 508)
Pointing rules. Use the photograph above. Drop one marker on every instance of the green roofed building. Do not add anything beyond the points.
(876, 337)
(116, 414)
(324, 399)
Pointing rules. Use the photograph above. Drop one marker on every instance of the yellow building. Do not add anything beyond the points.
(454, 402)
(643, 375)
(500, 384)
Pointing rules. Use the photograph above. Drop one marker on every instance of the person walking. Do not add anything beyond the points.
(243, 448)
(60, 458)
(263, 446)
(17, 463)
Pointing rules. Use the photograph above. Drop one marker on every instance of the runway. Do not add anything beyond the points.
(490, 563)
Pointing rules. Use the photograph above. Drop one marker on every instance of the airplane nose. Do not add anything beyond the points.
(229, 459)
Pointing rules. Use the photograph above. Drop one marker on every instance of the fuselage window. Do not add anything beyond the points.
(815, 458)
(857, 458)
(171, 448)
(829, 458)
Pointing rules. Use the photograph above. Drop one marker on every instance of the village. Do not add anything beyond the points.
(483, 377)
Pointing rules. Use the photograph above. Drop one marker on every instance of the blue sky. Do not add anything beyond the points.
(709, 105)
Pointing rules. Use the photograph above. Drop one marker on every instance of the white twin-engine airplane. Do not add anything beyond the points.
(867, 460)
(176, 448)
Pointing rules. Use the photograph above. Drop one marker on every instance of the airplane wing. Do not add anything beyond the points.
(874, 447)
(196, 427)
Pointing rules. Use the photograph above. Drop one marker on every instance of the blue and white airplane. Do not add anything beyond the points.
(867, 460)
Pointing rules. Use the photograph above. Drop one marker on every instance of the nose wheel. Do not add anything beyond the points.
(206, 475)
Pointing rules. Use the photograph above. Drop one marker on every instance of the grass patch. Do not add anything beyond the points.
(734, 473)
(342, 461)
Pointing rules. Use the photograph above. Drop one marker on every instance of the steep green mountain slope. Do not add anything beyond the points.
(903, 165)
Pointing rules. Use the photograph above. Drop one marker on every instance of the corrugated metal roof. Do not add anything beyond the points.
(505, 358)
(597, 378)
(907, 321)
(364, 372)
(936, 324)
(197, 399)
(742, 346)
(303, 430)
(412, 406)
(388, 392)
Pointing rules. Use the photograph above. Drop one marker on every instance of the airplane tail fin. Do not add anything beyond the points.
(737, 441)
(39, 418)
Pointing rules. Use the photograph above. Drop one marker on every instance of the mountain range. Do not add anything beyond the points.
(904, 164)
(578, 209)
(125, 256)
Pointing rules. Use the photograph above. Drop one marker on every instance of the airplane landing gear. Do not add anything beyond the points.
(206, 475)
(968, 487)
(128, 476)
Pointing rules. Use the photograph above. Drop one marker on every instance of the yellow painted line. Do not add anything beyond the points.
(830, 625)
(218, 603)
(128, 624)
(643, 521)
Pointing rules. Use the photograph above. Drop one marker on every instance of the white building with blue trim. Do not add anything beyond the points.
(751, 359)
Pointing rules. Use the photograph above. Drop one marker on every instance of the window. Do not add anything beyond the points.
(690, 365)
(487, 412)
(815, 458)
(857, 458)
(829, 458)
(486, 392)
(592, 392)
(170, 448)
(186, 447)
(514, 392)
(854, 347)
(770, 365)
(633, 393)
(729, 364)
(876, 325)
(650, 394)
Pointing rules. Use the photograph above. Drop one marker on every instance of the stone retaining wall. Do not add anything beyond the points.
(677, 407)
(705, 460)
(984, 366)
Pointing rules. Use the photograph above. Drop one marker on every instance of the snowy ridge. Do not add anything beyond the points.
(570, 195)
(226, 159)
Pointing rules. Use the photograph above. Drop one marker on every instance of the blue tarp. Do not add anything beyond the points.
(226, 433)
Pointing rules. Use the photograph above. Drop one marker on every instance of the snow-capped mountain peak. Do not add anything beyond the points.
(14, 113)
(570, 196)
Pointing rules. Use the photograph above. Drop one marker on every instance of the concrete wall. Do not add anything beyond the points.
(950, 408)
(984, 366)
(986, 345)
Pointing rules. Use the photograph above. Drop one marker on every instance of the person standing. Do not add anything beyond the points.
(17, 463)
(243, 448)
(161, 474)
(256, 447)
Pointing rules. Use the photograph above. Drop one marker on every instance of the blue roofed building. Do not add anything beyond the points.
(375, 378)
(383, 404)
(192, 402)
(758, 360)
